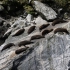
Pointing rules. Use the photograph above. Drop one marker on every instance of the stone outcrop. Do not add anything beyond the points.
(46, 11)
(31, 44)
(49, 52)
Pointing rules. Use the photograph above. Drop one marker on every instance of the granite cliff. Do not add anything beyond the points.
(24, 50)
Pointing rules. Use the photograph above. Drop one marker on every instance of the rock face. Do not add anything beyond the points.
(31, 44)
(45, 11)
(49, 53)
(46, 53)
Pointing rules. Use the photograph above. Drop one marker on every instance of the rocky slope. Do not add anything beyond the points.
(27, 46)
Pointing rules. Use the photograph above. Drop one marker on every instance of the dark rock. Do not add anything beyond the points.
(1, 8)
(69, 64)
(68, 68)
(1, 41)
(3, 11)
(1, 22)
(61, 12)
(3, 28)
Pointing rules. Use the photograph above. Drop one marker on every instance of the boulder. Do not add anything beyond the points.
(45, 11)
(29, 18)
(39, 20)
(19, 23)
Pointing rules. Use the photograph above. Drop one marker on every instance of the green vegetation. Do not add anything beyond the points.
(28, 9)
(62, 2)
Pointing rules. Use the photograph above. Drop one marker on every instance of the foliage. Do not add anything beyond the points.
(28, 8)
(61, 2)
